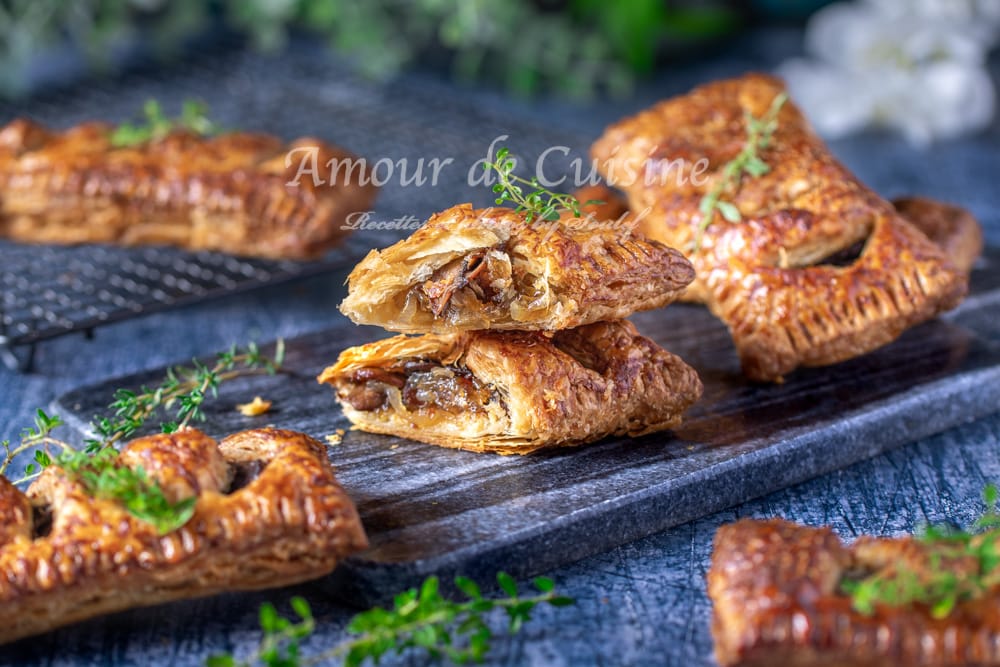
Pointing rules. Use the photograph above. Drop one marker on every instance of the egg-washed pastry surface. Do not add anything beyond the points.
(818, 269)
(269, 512)
(230, 193)
(514, 392)
(468, 269)
(777, 592)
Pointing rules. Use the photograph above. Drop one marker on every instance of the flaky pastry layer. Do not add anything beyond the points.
(784, 278)
(231, 193)
(269, 513)
(514, 392)
(468, 269)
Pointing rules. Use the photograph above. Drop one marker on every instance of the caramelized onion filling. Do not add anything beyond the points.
(485, 274)
(416, 384)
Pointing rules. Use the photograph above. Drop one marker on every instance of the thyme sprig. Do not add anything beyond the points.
(539, 202)
(419, 619)
(156, 125)
(760, 133)
(938, 587)
(96, 467)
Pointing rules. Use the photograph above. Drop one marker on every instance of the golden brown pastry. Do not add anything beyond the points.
(269, 513)
(776, 590)
(472, 269)
(514, 392)
(951, 227)
(820, 268)
(229, 193)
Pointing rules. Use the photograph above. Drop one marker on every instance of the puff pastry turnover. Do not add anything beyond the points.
(775, 589)
(269, 513)
(229, 193)
(514, 392)
(469, 269)
(819, 269)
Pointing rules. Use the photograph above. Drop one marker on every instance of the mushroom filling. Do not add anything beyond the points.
(415, 384)
(486, 274)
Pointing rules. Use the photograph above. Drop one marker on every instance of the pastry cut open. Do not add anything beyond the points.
(469, 269)
(514, 392)
(818, 268)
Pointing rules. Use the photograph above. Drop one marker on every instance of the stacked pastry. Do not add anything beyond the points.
(521, 343)
(815, 268)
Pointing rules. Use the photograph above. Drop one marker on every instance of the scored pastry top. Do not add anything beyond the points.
(817, 268)
(469, 269)
(777, 590)
(669, 156)
(239, 192)
(255, 489)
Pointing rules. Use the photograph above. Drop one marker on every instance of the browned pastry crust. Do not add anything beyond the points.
(514, 392)
(775, 278)
(953, 228)
(470, 269)
(775, 589)
(229, 193)
(269, 513)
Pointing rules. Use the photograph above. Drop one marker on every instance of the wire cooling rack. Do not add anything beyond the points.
(49, 291)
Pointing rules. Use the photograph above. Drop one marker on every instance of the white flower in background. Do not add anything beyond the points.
(918, 66)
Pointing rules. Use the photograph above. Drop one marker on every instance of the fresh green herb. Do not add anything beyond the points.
(157, 125)
(539, 203)
(102, 477)
(419, 619)
(760, 132)
(96, 465)
(938, 586)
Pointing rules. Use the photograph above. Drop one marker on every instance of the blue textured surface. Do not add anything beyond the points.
(643, 603)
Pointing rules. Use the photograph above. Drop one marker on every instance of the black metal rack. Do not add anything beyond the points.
(48, 291)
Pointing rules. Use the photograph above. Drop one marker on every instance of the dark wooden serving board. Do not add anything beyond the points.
(433, 510)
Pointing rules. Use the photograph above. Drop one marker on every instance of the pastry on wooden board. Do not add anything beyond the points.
(269, 513)
(776, 591)
(229, 193)
(514, 392)
(469, 269)
(819, 269)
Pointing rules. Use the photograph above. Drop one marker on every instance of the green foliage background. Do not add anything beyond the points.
(574, 47)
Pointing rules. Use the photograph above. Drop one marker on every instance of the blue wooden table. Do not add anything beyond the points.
(641, 604)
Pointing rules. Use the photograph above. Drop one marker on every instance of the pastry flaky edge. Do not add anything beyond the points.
(775, 591)
(535, 390)
(291, 523)
(469, 269)
(240, 193)
(768, 276)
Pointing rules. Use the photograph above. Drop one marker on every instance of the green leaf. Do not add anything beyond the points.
(544, 584)
(268, 617)
(729, 211)
(301, 607)
(469, 587)
(507, 584)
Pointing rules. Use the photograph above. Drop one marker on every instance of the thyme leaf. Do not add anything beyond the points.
(156, 125)
(938, 586)
(420, 619)
(538, 202)
(760, 133)
(95, 466)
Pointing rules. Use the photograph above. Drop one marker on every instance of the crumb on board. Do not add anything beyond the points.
(336, 437)
(257, 406)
